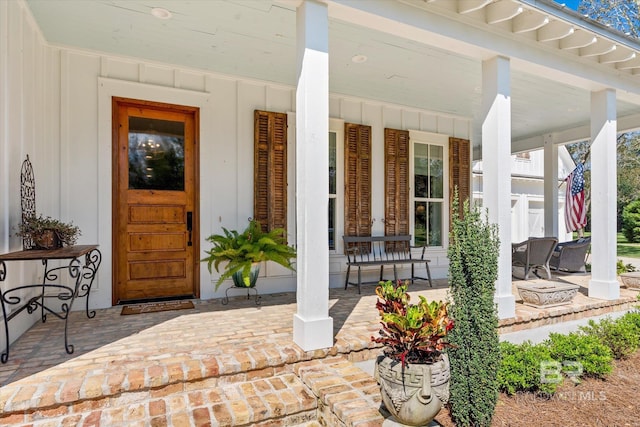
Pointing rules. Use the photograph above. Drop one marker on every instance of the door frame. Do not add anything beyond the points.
(115, 170)
(107, 88)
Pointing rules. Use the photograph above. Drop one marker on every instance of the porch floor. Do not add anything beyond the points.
(150, 357)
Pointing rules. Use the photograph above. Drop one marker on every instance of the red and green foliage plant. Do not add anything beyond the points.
(411, 333)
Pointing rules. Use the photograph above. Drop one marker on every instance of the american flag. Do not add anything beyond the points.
(575, 213)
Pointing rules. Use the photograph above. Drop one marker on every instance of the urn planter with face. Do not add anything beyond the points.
(413, 371)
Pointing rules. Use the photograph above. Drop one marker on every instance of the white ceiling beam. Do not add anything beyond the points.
(619, 55)
(502, 11)
(528, 21)
(468, 6)
(555, 30)
(630, 64)
(578, 39)
(628, 123)
(600, 47)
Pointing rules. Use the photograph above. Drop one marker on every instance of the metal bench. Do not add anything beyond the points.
(369, 251)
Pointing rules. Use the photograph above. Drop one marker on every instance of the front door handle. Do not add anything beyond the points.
(190, 227)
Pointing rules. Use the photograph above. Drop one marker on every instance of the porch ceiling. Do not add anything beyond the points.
(257, 38)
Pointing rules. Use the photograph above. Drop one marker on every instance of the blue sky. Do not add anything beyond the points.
(573, 4)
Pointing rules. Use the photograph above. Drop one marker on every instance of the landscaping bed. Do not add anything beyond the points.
(593, 402)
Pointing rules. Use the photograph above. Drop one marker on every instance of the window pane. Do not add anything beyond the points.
(435, 224)
(332, 163)
(332, 223)
(420, 221)
(420, 169)
(156, 154)
(436, 172)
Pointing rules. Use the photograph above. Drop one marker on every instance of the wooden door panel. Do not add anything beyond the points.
(144, 242)
(157, 270)
(155, 188)
(155, 214)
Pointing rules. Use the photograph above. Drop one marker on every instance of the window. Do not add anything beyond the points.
(428, 193)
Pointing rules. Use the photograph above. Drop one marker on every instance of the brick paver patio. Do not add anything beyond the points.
(215, 364)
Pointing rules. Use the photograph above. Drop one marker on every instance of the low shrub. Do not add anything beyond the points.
(521, 366)
(621, 335)
(621, 267)
(540, 368)
(594, 357)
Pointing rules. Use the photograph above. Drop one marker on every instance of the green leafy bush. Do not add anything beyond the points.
(621, 335)
(595, 357)
(475, 355)
(631, 222)
(520, 368)
(621, 267)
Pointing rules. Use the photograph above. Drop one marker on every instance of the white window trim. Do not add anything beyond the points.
(421, 137)
(292, 226)
(337, 126)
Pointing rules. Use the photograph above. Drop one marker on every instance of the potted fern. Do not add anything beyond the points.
(242, 252)
(413, 371)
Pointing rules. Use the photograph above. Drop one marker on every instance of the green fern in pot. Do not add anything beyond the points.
(244, 251)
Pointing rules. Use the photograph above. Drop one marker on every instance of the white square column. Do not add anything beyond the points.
(496, 175)
(550, 187)
(312, 326)
(603, 282)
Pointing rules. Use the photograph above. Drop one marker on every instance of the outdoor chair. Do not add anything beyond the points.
(532, 254)
(571, 256)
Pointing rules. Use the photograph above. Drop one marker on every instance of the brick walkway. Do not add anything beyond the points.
(194, 364)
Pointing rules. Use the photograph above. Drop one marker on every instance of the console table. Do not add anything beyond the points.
(81, 269)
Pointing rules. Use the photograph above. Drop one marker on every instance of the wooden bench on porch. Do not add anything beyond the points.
(371, 251)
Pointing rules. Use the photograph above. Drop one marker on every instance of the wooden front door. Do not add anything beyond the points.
(155, 210)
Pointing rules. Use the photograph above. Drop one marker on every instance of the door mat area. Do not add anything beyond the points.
(152, 307)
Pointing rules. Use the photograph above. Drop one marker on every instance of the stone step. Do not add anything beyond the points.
(347, 395)
(280, 400)
(321, 392)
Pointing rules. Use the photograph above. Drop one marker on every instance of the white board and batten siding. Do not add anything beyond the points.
(60, 116)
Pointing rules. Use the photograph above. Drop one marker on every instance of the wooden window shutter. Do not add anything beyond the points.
(270, 169)
(357, 180)
(396, 184)
(460, 170)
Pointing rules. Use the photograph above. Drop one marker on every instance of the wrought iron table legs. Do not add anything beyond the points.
(82, 276)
